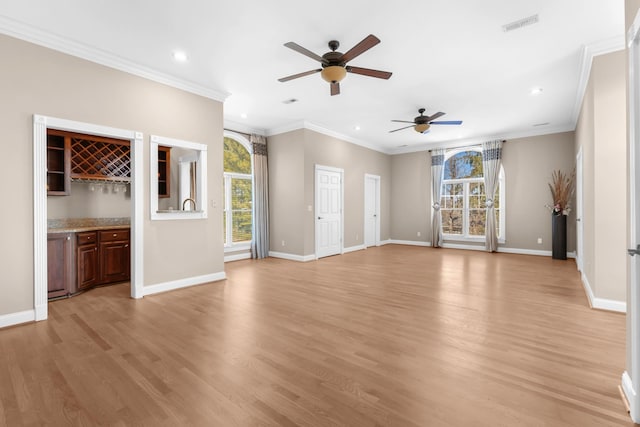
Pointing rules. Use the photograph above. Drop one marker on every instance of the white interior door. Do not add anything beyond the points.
(371, 210)
(328, 211)
(631, 376)
(579, 229)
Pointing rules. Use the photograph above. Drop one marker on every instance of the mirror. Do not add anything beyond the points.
(178, 179)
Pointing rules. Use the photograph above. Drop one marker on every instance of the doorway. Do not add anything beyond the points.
(579, 227)
(371, 210)
(40, 126)
(631, 376)
(329, 213)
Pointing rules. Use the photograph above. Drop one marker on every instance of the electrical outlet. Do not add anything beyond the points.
(283, 243)
(539, 240)
(356, 237)
(310, 208)
(418, 234)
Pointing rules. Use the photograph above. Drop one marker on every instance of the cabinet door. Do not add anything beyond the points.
(59, 262)
(114, 262)
(87, 266)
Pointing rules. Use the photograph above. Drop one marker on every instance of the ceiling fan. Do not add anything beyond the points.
(334, 64)
(422, 123)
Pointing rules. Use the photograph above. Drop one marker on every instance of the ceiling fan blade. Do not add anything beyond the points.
(335, 88)
(426, 131)
(366, 44)
(402, 121)
(368, 72)
(295, 76)
(306, 52)
(447, 122)
(436, 115)
(396, 130)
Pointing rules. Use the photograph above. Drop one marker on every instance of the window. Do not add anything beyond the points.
(463, 197)
(238, 191)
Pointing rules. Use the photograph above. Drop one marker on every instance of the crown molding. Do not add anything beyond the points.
(612, 44)
(304, 124)
(241, 127)
(49, 40)
(479, 140)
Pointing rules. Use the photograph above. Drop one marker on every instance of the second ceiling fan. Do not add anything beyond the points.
(422, 123)
(334, 64)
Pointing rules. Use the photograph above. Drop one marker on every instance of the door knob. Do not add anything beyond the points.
(635, 251)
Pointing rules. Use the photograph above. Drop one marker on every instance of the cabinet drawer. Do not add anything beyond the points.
(87, 237)
(114, 235)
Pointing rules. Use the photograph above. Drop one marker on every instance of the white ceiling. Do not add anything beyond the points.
(450, 56)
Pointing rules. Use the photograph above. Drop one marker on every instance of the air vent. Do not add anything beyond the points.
(541, 124)
(521, 23)
(289, 101)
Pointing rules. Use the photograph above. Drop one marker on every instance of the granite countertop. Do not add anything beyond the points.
(76, 225)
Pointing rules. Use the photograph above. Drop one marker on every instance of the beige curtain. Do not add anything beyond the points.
(260, 241)
(491, 159)
(437, 171)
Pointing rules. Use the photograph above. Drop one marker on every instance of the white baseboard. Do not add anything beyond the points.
(632, 397)
(292, 257)
(407, 242)
(183, 283)
(17, 318)
(353, 249)
(601, 303)
(237, 257)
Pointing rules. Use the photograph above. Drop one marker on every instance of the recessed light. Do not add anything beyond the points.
(180, 56)
(536, 91)
(357, 127)
(243, 115)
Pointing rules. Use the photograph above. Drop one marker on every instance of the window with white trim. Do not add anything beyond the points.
(238, 192)
(462, 205)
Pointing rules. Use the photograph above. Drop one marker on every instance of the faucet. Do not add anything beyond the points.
(187, 200)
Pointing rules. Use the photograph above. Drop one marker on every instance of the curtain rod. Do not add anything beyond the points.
(465, 146)
(236, 131)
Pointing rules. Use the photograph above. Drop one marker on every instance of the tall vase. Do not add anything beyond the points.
(559, 236)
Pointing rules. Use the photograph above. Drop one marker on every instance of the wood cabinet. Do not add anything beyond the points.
(87, 268)
(76, 156)
(164, 171)
(115, 256)
(58, 164)
(60, 264)
(80, 261)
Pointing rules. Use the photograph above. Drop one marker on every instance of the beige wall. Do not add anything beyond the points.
(631, 9)
(528, 164)
(411, 197)
(286, 192)
(292, 160)
(102, 202)
(601, 134)
(42, 81)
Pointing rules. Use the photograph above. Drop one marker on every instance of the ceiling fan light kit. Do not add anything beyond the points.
(422, 128)
(333, 73)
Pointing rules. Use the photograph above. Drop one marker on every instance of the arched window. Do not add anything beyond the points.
(238, 191)
(463, 197)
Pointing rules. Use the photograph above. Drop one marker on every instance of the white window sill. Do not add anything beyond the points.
(237, 247)
(456, 238)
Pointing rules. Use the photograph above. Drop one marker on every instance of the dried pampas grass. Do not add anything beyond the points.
(562, 188)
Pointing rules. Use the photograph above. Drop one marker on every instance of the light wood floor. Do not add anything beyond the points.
(396, 335)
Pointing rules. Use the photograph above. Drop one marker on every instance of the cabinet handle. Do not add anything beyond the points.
(95, 249)
(88, 237)
(126, 246)
(115, 234)
(68, 237)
